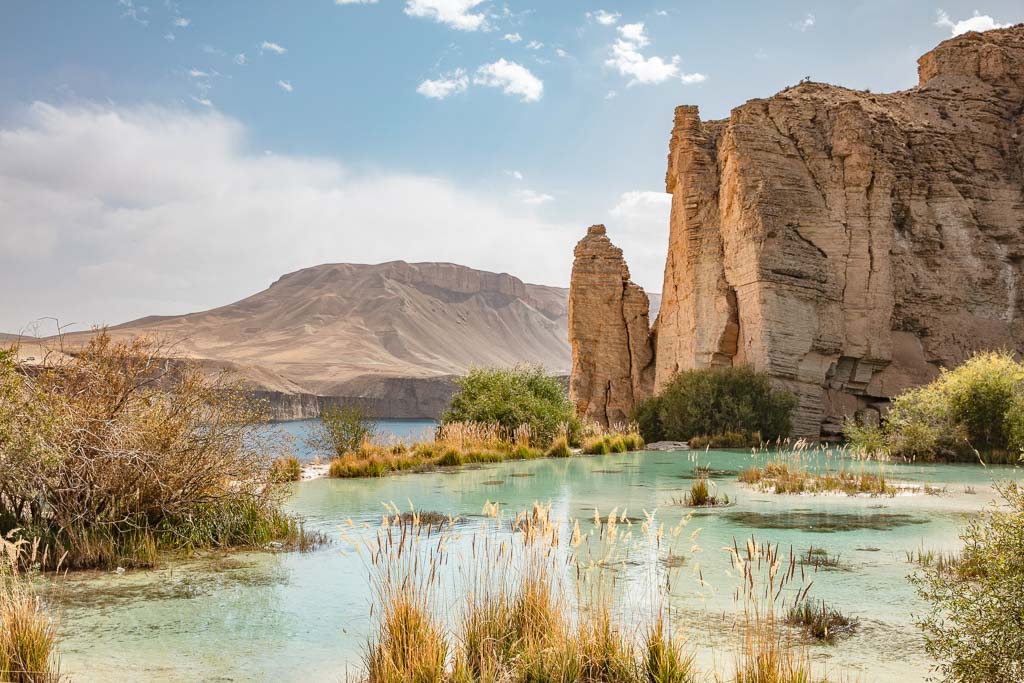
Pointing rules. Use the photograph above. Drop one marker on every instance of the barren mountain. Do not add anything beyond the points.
(391, 334)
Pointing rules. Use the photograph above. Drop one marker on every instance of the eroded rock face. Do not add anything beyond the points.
(851, 243)
(609, 330)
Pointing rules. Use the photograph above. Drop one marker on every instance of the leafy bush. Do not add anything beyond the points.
(716, 402)
(976, 406)
(973, 628)
(120, 451)
(559, 448)
(511, 397)
(342, 429)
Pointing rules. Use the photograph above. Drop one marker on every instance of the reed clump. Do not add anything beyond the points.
(285, 469)
(118, 451)
(782, 477)
(28, 634)
(464, 443)
(821, 622)
(537, 604)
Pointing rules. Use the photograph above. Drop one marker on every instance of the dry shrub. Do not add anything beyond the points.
(122, 451)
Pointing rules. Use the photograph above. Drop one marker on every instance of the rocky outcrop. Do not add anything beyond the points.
(609, 331)
(849, 243)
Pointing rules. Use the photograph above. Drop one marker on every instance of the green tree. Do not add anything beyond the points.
(525, 394)
(342, 429)
(975, 626)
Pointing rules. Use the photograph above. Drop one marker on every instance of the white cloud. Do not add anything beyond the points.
(286, 86)
(267, 46)
(202, 100)
(240, 59)
(134, 12)
(512, 78)
(610, 95)
(182, 22)
(113, 213)
(211, 50)
(634, 33)
(452, 83)
(629, 61)
(532, 197)
(806, 23)
(978, 22)
(605, 18)
(561, 53)
(454, 13)
(515, 174)
(169, 37)
(196, 73)
(512, 37)
(638, 224)
(534, 45)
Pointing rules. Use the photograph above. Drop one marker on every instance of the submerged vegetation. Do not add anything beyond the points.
(720, 407)
(975, 411)
(821, 622)
(117, 453)
(976, 601)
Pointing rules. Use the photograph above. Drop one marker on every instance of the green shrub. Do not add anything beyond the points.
(645, 415)
(973, 629)
(716, 401)
(596, 445)
(978, 406)
(726, 440)
(511, 397)
(342, 429)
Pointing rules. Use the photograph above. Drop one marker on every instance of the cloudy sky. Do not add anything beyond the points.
(166, 157)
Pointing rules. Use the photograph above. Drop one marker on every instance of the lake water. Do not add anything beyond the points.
(304, 617)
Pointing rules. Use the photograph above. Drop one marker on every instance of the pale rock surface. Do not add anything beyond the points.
(609, 331)
(849, 243)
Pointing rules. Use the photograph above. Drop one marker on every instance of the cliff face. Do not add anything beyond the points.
(609, 330)
(851, 243)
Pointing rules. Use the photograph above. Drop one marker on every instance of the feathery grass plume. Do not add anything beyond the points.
(28, 634)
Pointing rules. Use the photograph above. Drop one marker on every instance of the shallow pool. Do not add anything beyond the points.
(304, 617)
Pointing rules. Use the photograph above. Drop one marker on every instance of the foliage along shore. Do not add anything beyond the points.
(118, 453)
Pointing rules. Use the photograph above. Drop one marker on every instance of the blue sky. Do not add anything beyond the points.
(161, 157)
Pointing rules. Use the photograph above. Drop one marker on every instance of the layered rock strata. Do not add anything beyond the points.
(848, 243)
(609, 331)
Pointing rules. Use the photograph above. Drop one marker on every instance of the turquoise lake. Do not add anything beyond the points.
(305, 617)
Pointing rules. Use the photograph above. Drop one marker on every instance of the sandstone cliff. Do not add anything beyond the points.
(850, 243)
(609, 330)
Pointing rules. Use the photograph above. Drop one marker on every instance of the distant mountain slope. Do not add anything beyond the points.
(392, 334)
